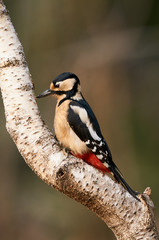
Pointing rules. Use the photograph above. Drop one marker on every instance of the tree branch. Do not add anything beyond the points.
(127, 217)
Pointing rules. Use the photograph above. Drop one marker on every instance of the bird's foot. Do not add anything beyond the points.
(66, 151)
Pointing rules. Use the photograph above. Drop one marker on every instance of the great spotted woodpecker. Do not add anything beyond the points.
(77, 128)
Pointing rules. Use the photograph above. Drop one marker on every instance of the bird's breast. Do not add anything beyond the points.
(64, 133)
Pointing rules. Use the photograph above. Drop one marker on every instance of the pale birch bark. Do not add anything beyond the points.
(127, 217)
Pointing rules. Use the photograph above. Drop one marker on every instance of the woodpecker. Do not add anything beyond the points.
(77, 129)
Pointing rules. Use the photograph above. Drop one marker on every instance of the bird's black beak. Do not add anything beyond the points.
(45, 93)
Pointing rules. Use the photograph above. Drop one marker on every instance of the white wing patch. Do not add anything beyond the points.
(82, 113)
(93, 133)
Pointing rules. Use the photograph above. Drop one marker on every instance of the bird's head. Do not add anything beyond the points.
(64, 85)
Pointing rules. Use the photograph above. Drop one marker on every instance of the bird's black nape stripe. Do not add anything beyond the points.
(64, 99)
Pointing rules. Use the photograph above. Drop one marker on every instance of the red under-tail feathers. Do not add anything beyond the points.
(91, 159)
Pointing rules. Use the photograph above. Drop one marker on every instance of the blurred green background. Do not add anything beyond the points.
(113, 46)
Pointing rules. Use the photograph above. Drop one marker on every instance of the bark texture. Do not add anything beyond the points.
(127, 217)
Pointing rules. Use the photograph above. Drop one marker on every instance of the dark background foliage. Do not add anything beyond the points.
(113, 46)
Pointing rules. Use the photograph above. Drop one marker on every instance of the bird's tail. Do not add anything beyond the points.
(119, 179)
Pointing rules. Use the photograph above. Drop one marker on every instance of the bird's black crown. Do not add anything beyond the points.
(64, 76)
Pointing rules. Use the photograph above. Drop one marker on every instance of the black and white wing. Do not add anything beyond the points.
(84, 123)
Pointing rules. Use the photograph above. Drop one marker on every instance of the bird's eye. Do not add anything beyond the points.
(56, 85)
